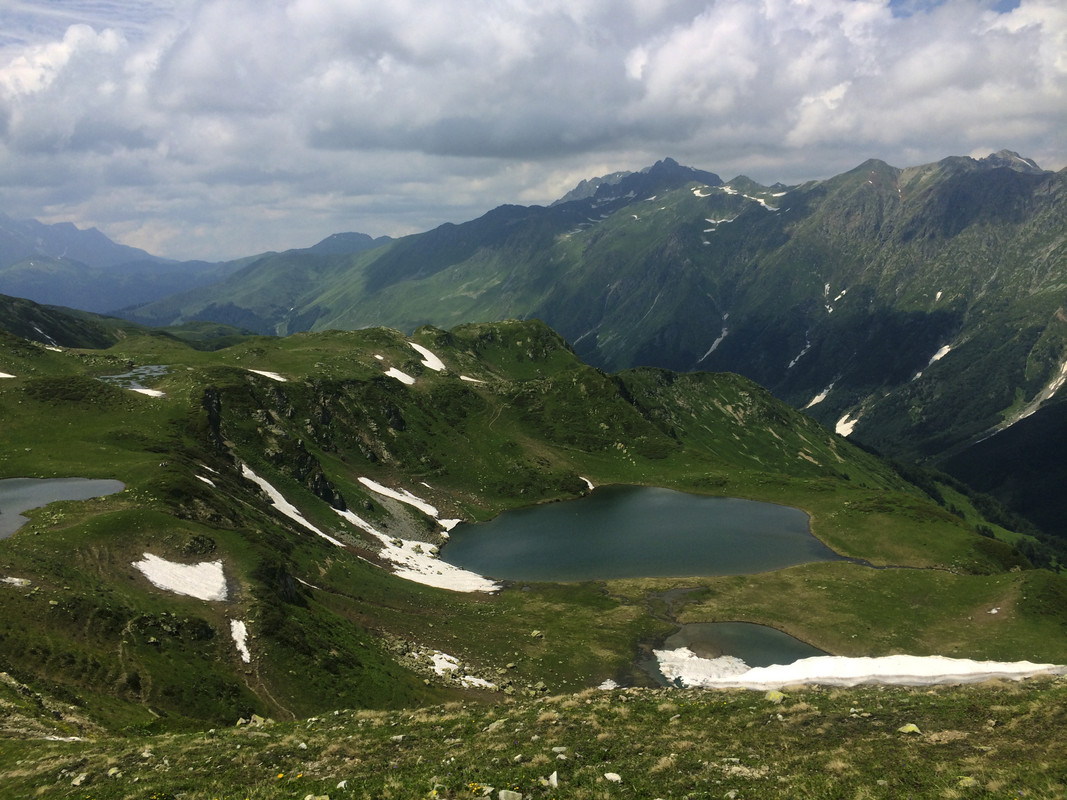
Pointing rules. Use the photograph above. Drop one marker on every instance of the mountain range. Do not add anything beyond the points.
(918, 310)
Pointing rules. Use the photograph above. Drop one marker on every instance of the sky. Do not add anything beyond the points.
(214, 129)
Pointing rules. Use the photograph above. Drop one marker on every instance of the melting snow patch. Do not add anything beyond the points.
(430, 361)
(400, 375)
(274, 376)
(714, 344)
(149, 392)
(380, 358)
(404, 496)
(588, 483)
(20, 582)
(941, 353)
(6, 375)
(937, 296)
(698, 191)
(285, 506)
(208, 481)
(205, 580)
(444, 664)
(846, 425)
(692, 671)
(819, 397)
(418, 562)
(469, 379)
(239, 632)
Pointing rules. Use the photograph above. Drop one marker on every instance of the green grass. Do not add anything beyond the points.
(330, 628)
(993, 740)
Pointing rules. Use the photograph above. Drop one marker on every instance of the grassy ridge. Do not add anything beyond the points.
(330, 627)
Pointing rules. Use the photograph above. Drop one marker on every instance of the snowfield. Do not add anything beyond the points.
(239, 632)
(400, 375)
(6, 375)
(404, 496)
(205, 581)
(274, 376)
(727, 672)
(429, 360)
(285, 506)
(418, 562)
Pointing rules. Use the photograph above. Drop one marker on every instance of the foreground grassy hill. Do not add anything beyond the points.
(985, 741)
(471, 421)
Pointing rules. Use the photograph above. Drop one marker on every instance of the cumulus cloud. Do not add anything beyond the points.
(211, 128)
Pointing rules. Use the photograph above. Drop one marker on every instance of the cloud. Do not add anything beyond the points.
(215, 128)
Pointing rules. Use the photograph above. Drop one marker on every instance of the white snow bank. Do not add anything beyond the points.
(208, 481)
(150, 392)
(274, 376)
(205, 580)
(429, 360)
(20, 582)
(729, 672)
(469, 379)
(404, 496)
(715, 344)
(239, 632)
(418, 562)
(285, 506)
(819, 397)
(400, 375)
(588, 483)
(941, 353)
(6, 375)
(846, 425)
(444, 664)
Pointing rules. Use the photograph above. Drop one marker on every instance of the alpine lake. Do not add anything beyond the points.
(22, 494)
(639, 531)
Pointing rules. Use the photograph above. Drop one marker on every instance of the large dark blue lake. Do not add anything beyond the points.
(636, 531)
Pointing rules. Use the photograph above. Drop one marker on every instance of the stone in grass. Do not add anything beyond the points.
(967, 783)
(775, 696)
(507, 794)
(80, 779)
(911, 727)
(614, 777)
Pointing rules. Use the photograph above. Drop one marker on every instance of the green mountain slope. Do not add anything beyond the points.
(325, 420)
(918, 308)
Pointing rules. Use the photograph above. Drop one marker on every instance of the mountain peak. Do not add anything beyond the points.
(1012, 160)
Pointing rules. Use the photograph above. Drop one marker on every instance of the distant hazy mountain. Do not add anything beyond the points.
(63, 265)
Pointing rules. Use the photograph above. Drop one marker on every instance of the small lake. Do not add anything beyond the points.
(756, 645)
(636, 531)
(22, 494)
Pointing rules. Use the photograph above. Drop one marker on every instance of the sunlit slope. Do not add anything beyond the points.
(369, 441)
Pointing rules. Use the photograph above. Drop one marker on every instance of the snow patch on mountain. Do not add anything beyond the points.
(239, 633)
(400, 375)
(285, 507)
(804, 350)
(6, 375)
(819, 397)
(205, 581)
(419, 562)
(845, 425)
(682, 666)
(404, 496)
(274, 376)
(429, 360)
